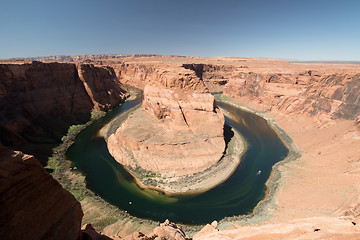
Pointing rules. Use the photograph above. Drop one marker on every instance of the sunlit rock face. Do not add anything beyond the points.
(178, 130)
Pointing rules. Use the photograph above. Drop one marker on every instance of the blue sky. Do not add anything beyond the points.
(294, 29)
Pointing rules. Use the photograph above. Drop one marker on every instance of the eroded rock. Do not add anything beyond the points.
(166, 231)
(178, 131)
(33, 204)
(38, 101)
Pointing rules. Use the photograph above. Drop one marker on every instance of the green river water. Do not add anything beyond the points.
(236, 196)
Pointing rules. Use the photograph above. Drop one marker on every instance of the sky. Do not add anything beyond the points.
(292, 29)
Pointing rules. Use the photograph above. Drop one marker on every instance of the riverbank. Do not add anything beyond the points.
(261, 212)
(103, 216)
(195, 183)
(198, 182)
(323, 183)
(114, 227)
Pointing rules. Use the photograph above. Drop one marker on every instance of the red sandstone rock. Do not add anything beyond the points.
(180, 132)
(357, 122)
(334, 95)
(88, 232)
(290, 88)
(43, 99)
(166, 230)
(101, 85)
(205, 231)
(214, 76)
(135, 74)
(33, 204)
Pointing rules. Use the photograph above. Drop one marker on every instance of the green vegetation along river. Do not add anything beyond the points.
(238, 195)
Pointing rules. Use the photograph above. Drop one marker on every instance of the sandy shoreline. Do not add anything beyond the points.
(261, 211)
(189, 184)
(323, 182)
(268, 209)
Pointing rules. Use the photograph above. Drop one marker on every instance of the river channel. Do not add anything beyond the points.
(238, 195)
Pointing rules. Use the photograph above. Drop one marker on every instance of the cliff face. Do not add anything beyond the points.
(135, 74)
(214, 76)
(38, 101)
(179, 130)
(336, 95)
(102, 85)
(182, 100)
(33, 204)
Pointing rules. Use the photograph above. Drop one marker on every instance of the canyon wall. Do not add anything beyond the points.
(215, 76)
(38, 101)
(135, 74)
(335, 95)
(33, 204)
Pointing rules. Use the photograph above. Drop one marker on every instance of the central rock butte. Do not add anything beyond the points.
(178, 131)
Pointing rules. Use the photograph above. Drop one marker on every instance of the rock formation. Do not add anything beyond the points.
(336, 95)
(135, 74)
(178, 131)
(166, 230)
(214, 76)
(316, 104)
(304, 228)
(102, 85)
(357, 122)
(34, 205)
(38, 101)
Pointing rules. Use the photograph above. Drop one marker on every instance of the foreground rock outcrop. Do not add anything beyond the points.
(166, 230)
(33, 204)
(178, 131)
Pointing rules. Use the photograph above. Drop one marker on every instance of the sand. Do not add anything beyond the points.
(319, 190)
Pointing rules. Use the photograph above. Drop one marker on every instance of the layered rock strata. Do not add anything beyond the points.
(38, 101)
(214, 76)
(336, 95)
(135, 74)
(33, 204)
(178, 131)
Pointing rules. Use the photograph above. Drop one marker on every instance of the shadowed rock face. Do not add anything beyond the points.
(178, 131)
(102, 85)
(33, 204)
(214, 76)
(38, 101)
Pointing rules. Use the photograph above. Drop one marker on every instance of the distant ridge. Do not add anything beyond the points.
(328, 61)
(75, 58)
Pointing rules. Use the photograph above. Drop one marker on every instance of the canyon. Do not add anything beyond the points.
(39, 101)
(178, 131)
(317, 105)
